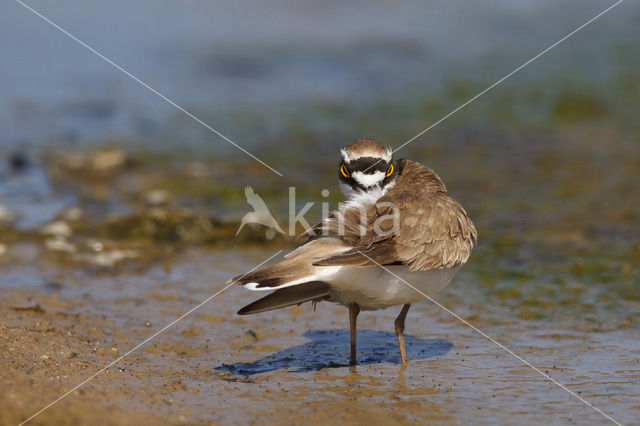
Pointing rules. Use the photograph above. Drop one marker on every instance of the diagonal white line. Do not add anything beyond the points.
(500, 345)
(509, 75)
(504, 78)
(148, 339)
(145, 85)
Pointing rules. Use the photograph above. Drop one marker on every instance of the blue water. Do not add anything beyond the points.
(222, 59)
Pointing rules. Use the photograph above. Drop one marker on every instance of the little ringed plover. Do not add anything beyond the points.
(397, 214)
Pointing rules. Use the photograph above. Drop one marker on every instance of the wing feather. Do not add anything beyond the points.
(429, 229)
(288, 296)
(297, 268)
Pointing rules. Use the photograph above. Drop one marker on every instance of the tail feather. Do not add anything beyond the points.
(288, 296)
(297, 268)
(287, 272)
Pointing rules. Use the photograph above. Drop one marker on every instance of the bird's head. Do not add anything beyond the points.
(366, 167)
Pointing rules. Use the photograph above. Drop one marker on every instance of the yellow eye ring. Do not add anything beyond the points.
(344, 171)
(389, 170)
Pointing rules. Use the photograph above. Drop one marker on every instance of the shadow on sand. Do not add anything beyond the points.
(330, 348)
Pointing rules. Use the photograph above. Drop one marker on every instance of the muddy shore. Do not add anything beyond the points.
(115, 266)
(289, 366)
(119, 214)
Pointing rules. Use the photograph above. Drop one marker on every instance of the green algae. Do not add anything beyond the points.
(577, 107)
(546, 173)
(531, 315)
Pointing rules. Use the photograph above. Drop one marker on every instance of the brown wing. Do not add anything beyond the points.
(288, 296)
(425, 230)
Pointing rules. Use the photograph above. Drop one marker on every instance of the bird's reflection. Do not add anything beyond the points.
(330, 348)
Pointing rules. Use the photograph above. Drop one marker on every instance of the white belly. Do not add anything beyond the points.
(374, 288)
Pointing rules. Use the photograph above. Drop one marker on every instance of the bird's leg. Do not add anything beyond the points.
(400, 330)
(354, 310)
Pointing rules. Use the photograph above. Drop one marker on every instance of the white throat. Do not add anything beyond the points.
(367, 180)
(358, 195)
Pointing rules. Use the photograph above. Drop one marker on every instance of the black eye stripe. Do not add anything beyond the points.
(368, 165)
(398, 167)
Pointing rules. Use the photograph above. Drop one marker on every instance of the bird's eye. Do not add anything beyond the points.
(344, 171)
(390, 170)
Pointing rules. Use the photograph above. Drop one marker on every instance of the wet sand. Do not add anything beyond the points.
(118, 214)
(554, 278)
(289, 366)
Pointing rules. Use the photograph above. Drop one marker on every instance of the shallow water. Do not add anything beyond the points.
(287, 365)
(118, 214)
(250, 70)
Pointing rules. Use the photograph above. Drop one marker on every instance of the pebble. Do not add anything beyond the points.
(110, 258)
(252, 334)
(157, 197)
(6, 215)
(59, 228)
(18, 162)
(108, 159)
(103, 161)
(198, 170)
(59, 244)
(96, 246)
(73, 214)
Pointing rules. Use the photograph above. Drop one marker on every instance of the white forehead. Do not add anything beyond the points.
(349, 156)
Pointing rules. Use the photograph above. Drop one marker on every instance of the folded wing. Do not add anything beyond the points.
(415, 224)
(288, 296)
